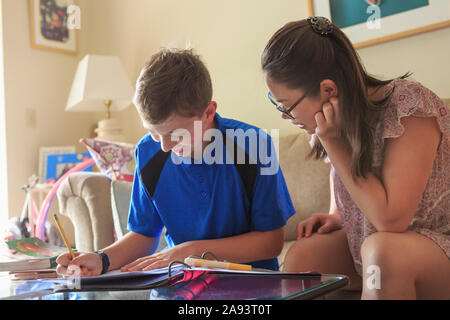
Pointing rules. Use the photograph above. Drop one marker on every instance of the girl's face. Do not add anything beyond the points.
(302, 114)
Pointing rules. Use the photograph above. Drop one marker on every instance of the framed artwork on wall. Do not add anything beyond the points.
(49, 26)
(369, 22)
(58, 164)
(44, 152)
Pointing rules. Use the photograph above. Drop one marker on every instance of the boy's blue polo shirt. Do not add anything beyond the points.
(199, 201)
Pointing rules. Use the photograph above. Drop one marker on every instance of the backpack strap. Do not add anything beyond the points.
(152, 171)
(247, 171)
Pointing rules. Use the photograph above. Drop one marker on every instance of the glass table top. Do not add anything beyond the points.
(207, 287)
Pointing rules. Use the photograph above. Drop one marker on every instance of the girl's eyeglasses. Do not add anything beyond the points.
(280, 107)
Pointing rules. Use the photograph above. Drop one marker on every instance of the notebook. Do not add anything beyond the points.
(33, 274)
(29, 254)
(177, 272)
(8, 264)
(114, 280)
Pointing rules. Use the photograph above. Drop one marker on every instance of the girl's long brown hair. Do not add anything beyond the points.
(300, 58)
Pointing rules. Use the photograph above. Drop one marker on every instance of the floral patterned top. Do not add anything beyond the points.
(432, 217)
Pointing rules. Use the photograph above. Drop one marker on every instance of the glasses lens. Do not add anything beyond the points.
(276, 104)
(279, 106)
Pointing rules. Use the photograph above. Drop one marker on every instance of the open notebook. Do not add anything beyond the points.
(176, 273)
(138, 280)
(114, 280)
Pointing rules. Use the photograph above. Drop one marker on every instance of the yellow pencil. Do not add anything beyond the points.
(202, 263)
(63, 235)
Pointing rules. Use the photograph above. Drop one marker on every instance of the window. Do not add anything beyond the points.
(3, 172)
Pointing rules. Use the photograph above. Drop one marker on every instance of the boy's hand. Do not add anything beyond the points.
(89, 264)
(160, 259)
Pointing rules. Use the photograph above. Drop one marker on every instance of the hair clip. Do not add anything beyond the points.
(321, 25)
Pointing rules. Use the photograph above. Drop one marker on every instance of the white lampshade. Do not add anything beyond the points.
(99, 78)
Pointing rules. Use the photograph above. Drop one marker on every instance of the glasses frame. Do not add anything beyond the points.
(287, 111)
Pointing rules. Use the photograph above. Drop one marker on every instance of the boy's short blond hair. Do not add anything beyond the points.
(174, 81)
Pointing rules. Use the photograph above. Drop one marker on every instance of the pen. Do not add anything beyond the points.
(202, 263)
(63, 235)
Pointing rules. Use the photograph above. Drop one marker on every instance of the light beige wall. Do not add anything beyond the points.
(230, 36)
(3, 182)
(39, 80)
(426, 55)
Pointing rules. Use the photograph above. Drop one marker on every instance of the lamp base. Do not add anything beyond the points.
(109, 129)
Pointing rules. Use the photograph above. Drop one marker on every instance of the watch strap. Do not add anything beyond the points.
(105, 260)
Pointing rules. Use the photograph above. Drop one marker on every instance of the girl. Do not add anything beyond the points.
(389, 147)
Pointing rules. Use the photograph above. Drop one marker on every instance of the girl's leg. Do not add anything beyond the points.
(411, 266)
(326, 253)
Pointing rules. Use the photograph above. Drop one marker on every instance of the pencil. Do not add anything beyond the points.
(63, 235)
(202, 263)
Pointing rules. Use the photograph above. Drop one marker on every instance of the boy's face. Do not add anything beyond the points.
(176, 134)
(183, 135)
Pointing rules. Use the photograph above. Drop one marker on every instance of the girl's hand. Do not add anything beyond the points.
(327, 120)
(319, 222)
(160, 259)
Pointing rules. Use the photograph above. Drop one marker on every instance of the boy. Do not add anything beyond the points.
(211, 194)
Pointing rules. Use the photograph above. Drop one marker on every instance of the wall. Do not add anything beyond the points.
(426, 55)
(3, 177)
(38, 80)
(230, 36)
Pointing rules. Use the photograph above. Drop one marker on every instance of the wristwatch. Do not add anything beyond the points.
(105, 260)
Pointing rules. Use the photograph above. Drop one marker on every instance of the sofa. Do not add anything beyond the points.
(98, 207)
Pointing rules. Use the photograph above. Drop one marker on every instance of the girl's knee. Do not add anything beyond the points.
(382, 250)
(299, 256)
(293, 258)
(312, 253)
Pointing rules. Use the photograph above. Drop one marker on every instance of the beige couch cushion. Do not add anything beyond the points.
(85, 197)
(307, 180)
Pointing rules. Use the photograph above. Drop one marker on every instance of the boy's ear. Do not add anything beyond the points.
(210, 111)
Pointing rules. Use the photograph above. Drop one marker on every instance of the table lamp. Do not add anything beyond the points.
(101, 84)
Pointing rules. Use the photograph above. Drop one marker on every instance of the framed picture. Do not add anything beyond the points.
(49, 26)
(44, 152)
(59, 164)
(369, 22)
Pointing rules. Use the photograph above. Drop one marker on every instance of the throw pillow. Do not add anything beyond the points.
(114, 159)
